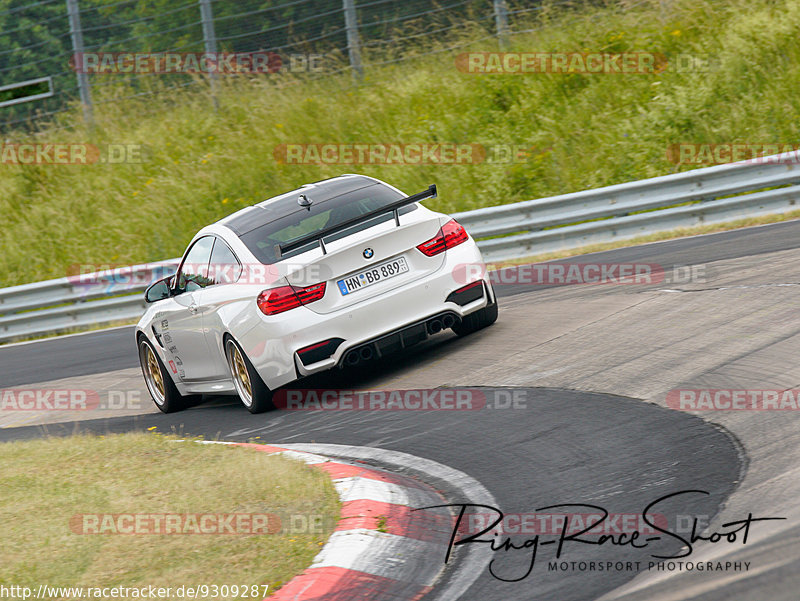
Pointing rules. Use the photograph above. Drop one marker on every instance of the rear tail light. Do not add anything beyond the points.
(311, 293)
(278, 300)
(451, 234)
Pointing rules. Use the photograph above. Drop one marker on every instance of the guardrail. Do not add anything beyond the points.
(718, 194)
(702, 196)
(77, 301)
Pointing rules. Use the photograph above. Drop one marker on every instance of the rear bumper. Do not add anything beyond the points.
(399, 339)
(384, 323)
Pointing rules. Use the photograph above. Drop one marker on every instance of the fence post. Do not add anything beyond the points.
(73, 12)
(501, 20)
(353, 40)
(663, 6)
(210, 41)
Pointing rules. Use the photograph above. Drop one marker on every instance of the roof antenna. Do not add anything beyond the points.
(305, 201)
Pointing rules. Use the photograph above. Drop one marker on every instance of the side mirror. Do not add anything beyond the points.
(158, 291)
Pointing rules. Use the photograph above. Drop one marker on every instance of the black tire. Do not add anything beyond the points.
(254, 394)
(159, 383)
(477, 320)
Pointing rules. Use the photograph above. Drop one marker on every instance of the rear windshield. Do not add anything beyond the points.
(263, 240)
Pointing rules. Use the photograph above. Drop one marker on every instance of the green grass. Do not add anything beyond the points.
(597, 130)
(46, 482)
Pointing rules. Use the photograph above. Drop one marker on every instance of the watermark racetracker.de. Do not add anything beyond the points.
(70, 399)
(217, 63)
(70, 153)
(432, 399)
(587, 63)
(414, 153)
(734, 399)
(763, 153)
(565, 273)
(90, 278)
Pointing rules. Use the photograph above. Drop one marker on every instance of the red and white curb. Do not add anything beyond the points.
(381, 549)
(423, 535)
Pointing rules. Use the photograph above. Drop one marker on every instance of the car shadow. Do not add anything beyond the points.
(360, 376)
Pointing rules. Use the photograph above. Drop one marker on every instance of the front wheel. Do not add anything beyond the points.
(160, 385)
(255, 395)
(477, 320)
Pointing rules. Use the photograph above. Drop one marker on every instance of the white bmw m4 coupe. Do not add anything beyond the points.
(335, 274)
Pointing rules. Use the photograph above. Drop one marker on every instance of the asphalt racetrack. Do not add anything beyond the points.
(591, 368)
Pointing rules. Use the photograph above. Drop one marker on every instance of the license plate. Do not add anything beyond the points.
(373, 275)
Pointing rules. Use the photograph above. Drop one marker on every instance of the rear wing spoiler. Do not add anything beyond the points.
(394, 207)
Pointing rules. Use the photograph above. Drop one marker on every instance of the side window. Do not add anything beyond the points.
(194, 269)
(225, 267)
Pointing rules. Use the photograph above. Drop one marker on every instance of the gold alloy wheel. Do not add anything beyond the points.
(155, 379)
(241, 378)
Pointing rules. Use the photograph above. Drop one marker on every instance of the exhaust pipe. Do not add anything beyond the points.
(366, 353)
(434, 326)
(448, 321)
(352, 358)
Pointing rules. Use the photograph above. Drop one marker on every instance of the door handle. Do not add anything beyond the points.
(192, 308)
